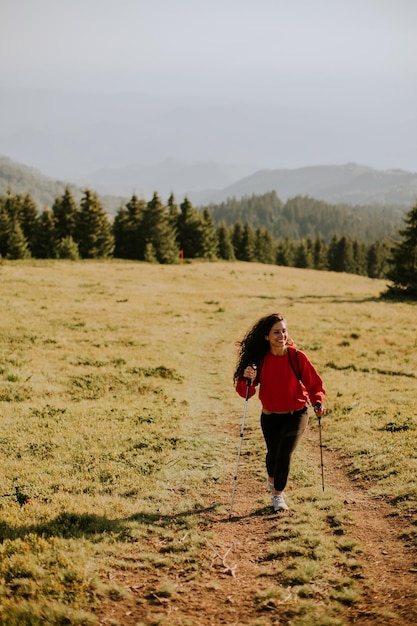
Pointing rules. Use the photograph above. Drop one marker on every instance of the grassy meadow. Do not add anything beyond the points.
(119, 420)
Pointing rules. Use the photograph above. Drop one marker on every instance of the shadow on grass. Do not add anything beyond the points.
(338, 299)
(395, 298)
(326, 298)
(65, 525)
(166, 520)
(75, 526)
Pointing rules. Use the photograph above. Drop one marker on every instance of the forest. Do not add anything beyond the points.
(303, 216)
(301, 232)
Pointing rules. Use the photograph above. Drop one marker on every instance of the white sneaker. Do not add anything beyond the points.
(270, 486)
(279, 503)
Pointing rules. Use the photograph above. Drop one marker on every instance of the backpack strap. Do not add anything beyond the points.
(297, 371)
(258, 371)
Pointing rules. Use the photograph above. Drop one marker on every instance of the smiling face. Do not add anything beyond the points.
(277, 337)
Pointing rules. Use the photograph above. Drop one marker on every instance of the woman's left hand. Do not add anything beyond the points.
(319, 409)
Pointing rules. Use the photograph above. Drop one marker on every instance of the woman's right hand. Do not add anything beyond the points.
(250, 373)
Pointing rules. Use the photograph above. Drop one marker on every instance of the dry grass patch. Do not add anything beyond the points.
(120, 426)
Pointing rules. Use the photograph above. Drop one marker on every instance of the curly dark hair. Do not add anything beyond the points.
(253, 347)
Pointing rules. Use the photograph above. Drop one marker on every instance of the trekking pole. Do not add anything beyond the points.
(242, 428)
(321, 455)
(317, 406)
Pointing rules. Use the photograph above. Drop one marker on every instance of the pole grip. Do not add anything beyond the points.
(248, 383)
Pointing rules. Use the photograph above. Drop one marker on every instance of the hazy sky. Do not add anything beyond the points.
(208, 46)
(356, 58)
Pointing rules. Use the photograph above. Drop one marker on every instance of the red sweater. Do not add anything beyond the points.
(279, 388)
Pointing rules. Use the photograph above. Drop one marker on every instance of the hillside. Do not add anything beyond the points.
(286, 212)
(22, 179)
(350, 184)
(209, 183)
(119, 450)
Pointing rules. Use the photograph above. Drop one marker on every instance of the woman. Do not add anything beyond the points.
(287, 382)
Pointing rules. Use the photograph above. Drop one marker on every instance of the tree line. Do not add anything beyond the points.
(160, 233)
(302, 216)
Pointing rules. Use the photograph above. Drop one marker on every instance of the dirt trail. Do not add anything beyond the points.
(390, 565)
(224, 595)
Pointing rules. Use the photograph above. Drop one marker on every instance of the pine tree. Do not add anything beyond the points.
(224, 238)
(304, 254)
(173, 211)
(342, 259)
(332, 252)
(159, 233)
(265, 247)
(9, 216)
(128, 231)
(310, 251)
(403, 261)
(360, 257)
(320, 261)
(377, 255)
(190, 231)
(65, 212)
(13, 243)
(94, 232)
(5, 229)
(248, 243)
(237, 240)
(285, 253)
(11, 204)
(28, 220)
(121, 233)
(150, 254)
(210, 243)
(45, 240)
(17, 246)
(67, 249)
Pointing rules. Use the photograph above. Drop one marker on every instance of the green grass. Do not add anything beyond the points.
(117, 402)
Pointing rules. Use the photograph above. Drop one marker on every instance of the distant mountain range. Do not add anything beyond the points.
(206, 183)
(336, 184)
(183, 178)
(140, 142)
(344, 184)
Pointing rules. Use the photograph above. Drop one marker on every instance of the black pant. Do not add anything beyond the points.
(282, 434)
